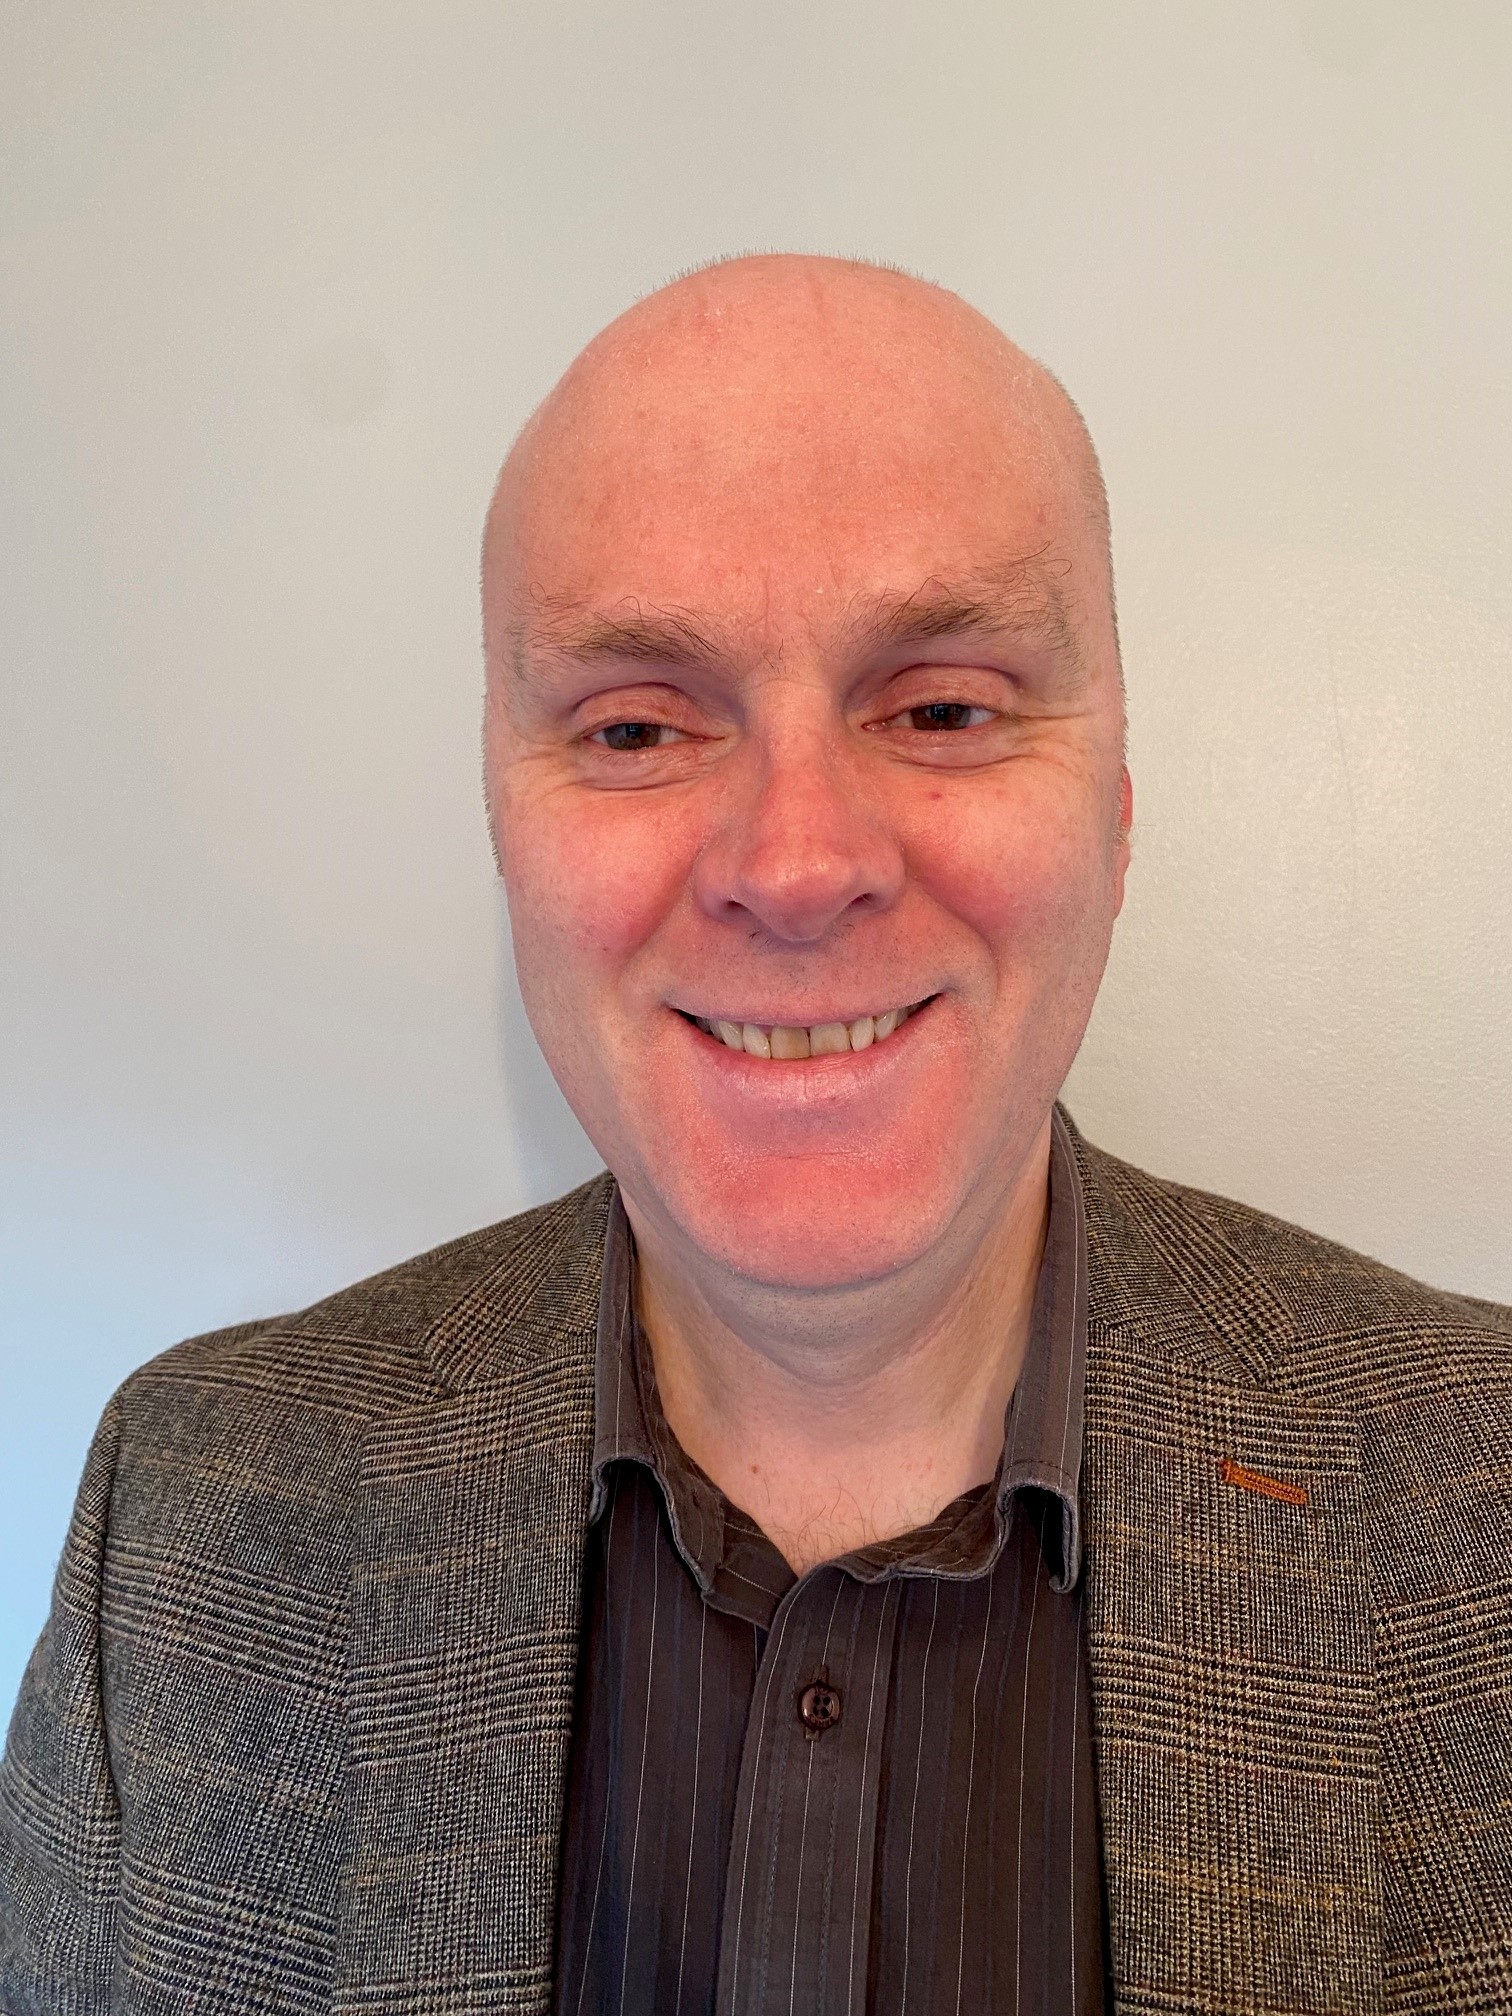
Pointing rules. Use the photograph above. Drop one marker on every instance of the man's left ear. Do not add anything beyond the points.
(1125, 832)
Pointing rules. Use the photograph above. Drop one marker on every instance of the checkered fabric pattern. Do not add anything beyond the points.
(294, 1738)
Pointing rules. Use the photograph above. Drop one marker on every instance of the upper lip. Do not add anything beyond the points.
(787, 1019)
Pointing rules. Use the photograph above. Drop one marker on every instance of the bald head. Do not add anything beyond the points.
(794, 407)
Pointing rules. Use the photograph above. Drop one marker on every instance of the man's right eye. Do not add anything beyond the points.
(631, 735)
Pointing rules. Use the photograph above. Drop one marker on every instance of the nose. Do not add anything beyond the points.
(802, 839)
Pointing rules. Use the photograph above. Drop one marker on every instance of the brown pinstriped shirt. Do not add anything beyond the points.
(866, 1791)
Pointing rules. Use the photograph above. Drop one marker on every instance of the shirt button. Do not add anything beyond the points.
(819, 1707)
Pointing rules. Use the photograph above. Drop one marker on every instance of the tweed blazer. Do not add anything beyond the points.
(295, 1735)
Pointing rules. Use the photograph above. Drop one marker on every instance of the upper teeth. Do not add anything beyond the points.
(820, 1039)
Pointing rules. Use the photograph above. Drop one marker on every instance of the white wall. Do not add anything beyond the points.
(277, 283)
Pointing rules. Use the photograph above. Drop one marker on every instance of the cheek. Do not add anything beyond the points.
(591, 874)
(1024, 862)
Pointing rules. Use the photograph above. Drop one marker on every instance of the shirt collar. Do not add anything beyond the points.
(1042, 1443)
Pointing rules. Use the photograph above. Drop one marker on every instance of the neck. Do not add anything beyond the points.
(844, 1417)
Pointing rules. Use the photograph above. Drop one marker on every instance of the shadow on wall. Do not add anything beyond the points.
(552, 1152)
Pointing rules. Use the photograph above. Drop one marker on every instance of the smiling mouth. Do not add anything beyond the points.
(788, 1043)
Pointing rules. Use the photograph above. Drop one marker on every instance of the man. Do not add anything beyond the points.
(871, 1552)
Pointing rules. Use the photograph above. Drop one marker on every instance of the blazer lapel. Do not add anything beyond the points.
(471, 1526)
(1230, 1647)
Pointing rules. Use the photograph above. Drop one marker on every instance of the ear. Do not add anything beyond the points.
(1125, 836)
(487, 741)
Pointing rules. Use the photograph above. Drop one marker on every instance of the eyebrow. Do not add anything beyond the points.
(672, 637)
(1020, 597)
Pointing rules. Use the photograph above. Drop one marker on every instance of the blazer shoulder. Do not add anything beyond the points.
(234, 1458)
(368, 1350)
(1297, 1310)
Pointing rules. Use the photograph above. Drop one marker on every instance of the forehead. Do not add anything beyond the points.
(777, 470)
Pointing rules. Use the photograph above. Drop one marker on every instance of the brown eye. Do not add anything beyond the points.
(946, 714)
(631, 735)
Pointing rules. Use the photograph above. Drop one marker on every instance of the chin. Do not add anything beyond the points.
(781, 1247)
(815, 1222)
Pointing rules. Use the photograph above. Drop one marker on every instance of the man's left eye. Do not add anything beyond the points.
(948, 714)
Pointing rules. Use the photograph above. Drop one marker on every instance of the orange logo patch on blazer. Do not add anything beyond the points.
(1256, 1480)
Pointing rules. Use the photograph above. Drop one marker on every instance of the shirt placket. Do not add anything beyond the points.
(798, 1888)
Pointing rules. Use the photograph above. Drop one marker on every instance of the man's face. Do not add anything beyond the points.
(805, 712)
